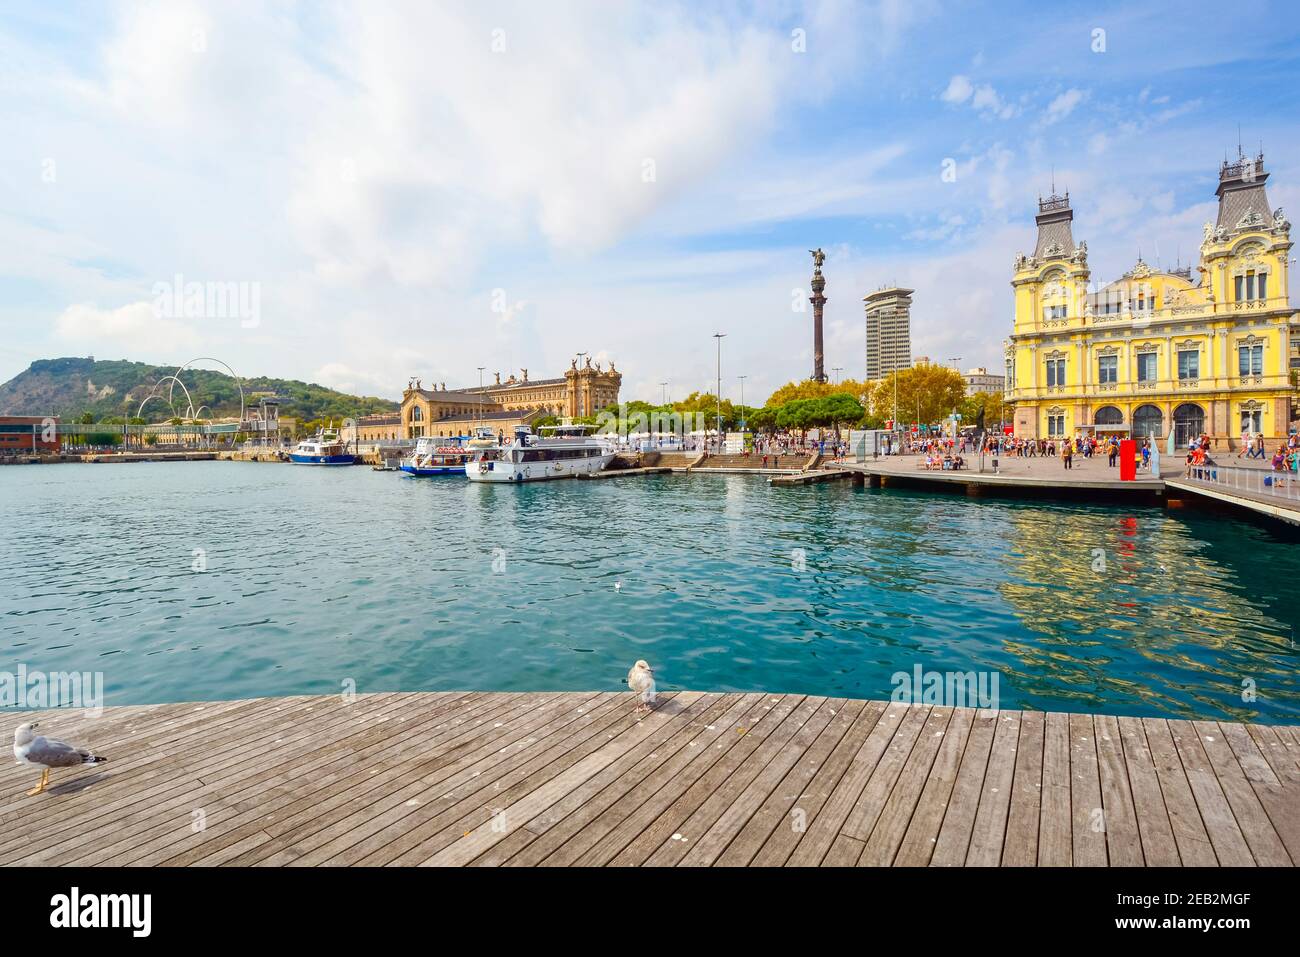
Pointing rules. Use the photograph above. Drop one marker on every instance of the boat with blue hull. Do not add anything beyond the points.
(323, 448)
(431, 459)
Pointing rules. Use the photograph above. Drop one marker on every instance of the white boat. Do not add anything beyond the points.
(323, 448)
(434, 457)
(568, 452)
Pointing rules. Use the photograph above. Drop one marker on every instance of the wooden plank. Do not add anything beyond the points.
(1194, 846)
(871, 802)
(741, 807)
(1056, 818)
(827, 824)
(989, 829)
(1274, 750)
(472, 805)
(844, 852)
(695, 811)
(784, 838)
(923, 830)
(1252, 819)
(399, 778)
(464, 752)
(140, 786)
(1088, 813)
(1276, 782)
(891, 826)
(624, 820)
(241, 790)
(587, 814)
(575, 812)
(305, 803)
(1159, 849)
(784, 805)
(1230, 845)
(1020, 843)
(959, 821)
(472, 845)
(1123, 842)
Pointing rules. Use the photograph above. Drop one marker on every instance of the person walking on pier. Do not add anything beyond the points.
(1067, 454)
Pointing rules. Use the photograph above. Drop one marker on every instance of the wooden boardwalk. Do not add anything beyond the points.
(725, 779)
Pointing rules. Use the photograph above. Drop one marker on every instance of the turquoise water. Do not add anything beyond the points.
(317, 577)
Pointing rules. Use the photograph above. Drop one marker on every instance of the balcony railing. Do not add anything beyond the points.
(1281, 485)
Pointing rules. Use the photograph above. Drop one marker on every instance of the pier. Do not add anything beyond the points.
(470, 778)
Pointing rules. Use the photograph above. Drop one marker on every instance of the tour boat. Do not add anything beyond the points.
(323, 448)
(530, 458)
(430, 458)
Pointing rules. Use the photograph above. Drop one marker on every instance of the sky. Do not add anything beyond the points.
(387, 190)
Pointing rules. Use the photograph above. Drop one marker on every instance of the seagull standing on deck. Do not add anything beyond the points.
(641, 679)
(31, 748)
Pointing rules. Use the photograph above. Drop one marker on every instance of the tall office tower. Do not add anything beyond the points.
(889, 331)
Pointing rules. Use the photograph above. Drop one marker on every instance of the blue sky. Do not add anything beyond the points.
(421, 190)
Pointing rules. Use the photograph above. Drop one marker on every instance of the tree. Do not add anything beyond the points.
(926, 392)
(982, 409)
(808, 389)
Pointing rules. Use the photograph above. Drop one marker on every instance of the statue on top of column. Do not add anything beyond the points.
(819, 257)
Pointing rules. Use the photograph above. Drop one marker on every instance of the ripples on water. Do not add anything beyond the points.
(317, 576)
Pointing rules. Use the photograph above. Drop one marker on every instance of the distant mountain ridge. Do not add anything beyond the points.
(73, 386)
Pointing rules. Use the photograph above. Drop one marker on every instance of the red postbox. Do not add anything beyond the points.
(1128, 460)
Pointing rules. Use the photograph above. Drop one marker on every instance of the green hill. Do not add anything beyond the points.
(72, 387)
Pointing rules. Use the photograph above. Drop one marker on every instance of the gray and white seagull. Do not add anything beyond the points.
(32, 748)
(641, 679)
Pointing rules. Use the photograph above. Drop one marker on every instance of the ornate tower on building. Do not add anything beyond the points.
(818, 301)
(589, 389)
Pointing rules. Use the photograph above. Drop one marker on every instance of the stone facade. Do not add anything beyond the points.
(581, 391)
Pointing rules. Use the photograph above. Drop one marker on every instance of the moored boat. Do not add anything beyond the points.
(433, 459)
(323, 448)
(569, 452)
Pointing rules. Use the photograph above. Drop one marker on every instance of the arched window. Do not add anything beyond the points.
(1148, 420)
(1108, 415)
(417, 414)
(1189, 422)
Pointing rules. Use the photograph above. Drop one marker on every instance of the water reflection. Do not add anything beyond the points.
(725, 583)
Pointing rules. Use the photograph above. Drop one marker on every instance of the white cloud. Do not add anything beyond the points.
(136, 329)
(1063, 105)
(983, 98)
(344, 378)
(958, 91)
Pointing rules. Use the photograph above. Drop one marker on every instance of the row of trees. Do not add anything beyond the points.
(923, 394)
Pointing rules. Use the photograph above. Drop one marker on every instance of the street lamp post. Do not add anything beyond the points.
(837, 370)
(742, 379)
(480, 395)
(719, 336)
(664, 393)
(581, 408)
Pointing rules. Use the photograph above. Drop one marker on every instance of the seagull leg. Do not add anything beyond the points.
(45, 779)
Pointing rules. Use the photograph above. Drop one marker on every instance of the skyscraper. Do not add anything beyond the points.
(889, 331)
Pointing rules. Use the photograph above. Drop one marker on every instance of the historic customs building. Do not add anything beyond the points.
(1156, 349)
(443, 412)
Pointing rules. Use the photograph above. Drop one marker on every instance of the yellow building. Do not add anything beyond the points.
(1159, 349)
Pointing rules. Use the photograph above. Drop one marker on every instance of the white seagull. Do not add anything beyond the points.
(31, 748)
(641, 679)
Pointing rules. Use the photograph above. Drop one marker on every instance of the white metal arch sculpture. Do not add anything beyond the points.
(233, 374)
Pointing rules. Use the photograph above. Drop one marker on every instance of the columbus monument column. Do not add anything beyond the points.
(818, 300)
